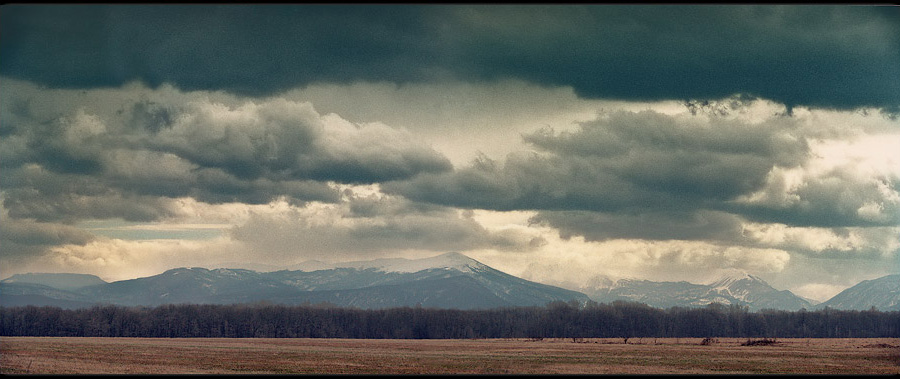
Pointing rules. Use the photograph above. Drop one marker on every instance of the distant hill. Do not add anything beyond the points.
(61, 281)
(449, 280)
(13, 294)
(882, 293)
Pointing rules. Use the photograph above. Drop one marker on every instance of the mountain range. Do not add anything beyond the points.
(450, 280)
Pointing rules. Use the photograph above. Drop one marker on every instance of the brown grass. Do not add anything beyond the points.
(63, 355)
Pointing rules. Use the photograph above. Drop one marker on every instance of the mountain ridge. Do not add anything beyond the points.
(882, 293)
(393, 282)
(63, 281)
(729, 287)
(449, 280)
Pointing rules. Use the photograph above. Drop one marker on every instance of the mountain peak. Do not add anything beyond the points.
(730, 276)
(454, 256)
(452, 259)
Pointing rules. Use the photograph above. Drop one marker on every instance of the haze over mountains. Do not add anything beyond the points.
(450, 280)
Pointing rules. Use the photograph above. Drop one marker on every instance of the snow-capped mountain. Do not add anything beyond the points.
(756, 292)
(730, 276)
(882, 293)
(450, 280)
(658, 294)
(731, 287)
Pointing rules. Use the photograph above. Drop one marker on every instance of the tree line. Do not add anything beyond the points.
(555, 320)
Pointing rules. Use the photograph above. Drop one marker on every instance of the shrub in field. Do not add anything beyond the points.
(762, 342)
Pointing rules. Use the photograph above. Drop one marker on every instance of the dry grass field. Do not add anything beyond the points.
(64, 355)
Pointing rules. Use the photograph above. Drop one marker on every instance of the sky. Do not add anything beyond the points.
(561, 143)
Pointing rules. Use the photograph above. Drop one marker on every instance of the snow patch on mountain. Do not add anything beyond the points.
(727, 277)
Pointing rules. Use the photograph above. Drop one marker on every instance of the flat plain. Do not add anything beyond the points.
(77, 355)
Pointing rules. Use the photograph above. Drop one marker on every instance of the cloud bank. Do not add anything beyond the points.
(823, 56)
(741, 172)
(94, 159)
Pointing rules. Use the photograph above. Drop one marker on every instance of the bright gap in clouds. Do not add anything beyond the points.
(142, 231)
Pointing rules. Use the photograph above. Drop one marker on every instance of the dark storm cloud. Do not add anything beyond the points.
(284, 140)
(829, 56)
(22, 233)
(25, 238)
(625, 162)
(833, 56)
(690, 160)
(32, 192)
(126, 158)
(22, 240)
(653, 225)
(247, 49)
(648, 175)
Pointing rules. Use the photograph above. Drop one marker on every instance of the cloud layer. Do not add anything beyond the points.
(94, 159)
(140, 155)
(739, 173)
(827, 56)
(635, 161)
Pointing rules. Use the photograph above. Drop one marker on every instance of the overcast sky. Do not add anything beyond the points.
(559, 143)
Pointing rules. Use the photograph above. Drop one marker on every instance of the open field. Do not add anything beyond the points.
(73, 355)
